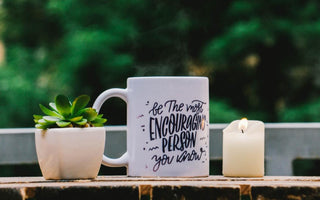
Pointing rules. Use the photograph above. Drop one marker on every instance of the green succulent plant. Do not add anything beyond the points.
(62, 113)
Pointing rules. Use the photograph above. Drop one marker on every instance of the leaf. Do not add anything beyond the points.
(99, 120)
(37, 117)
(97, 124)
(79, 103)
(39, 126)
(44, 122)
(90, 114)
(63, 105)
(47, 111)
(82, 122)
(76, 119)
(63, 124)
(53, 106)
(51, 119)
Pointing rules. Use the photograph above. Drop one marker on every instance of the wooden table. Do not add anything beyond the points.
(122, 187)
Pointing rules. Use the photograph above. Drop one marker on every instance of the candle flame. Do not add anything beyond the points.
(243, 124)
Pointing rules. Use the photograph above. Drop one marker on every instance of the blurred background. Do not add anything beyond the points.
(261, 57)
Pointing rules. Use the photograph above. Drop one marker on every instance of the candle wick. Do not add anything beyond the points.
(242, 130)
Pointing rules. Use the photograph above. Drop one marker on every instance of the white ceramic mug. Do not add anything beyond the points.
(167, 126)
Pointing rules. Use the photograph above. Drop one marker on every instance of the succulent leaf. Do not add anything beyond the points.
(41, 126)
(63, 105)
(47, 111)
(53, 106)
(63, 123)
(79, 103)
(99, 121)
(97, 125)
(82, 122)
(37, 116)
(64, 114)
(44, 122)
(76, 119)
(90, 114)
(51, 119)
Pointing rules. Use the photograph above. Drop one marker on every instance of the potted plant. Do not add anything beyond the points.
(70, 139)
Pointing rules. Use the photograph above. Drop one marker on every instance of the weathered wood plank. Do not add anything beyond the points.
(122, 187)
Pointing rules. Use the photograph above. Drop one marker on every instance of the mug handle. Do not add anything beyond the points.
(122, 94)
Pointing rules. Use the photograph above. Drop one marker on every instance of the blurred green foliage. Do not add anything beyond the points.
(261, 57)
(220, 112)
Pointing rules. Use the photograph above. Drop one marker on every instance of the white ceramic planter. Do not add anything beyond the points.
(70, 153)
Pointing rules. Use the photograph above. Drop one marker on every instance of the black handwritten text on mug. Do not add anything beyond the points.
(180, 141)
(173, 106)
(195, 106)
(162, 126)
(161, 160)
(183, 157)
(176, 125)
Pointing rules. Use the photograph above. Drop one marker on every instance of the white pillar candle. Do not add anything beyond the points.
(243, 149)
